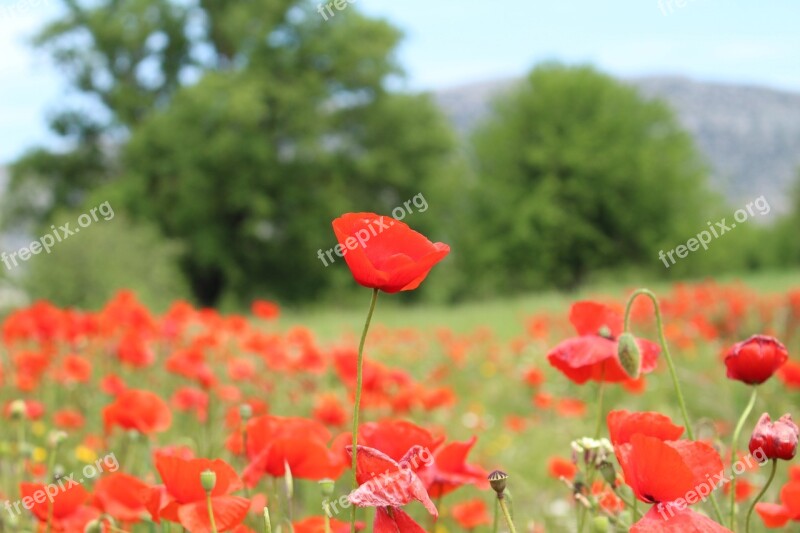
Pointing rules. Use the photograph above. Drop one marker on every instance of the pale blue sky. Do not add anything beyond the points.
(451, 42)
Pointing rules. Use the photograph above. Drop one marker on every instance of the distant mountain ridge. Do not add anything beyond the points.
(750, 136)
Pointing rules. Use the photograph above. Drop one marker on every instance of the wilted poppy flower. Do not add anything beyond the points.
(471, 514)
(774, 440)
(384, 253)
(183, 500)
(754, 360)
(594, 353)
(387, 485)
(137, 409)
(68, 509)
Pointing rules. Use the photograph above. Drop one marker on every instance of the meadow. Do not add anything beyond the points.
(473, 370)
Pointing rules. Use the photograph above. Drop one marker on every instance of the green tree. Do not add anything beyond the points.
(578, 173)
(240, 129)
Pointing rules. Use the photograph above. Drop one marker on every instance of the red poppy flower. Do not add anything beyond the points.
(136, 409)
(789, 373)
(593, 354)
(777, 515)
(395, 437)
(774, 440)
(316, 524)
(68, 419)
(665, 471)
(122, 496)
(275, 443)
(384, 253)
(183, 500)
(754, 360)
(450, 470)
(388, 485)
(657, 467)
(558, 467)
(622, 425)
(266, 310)
(671, 518)
(68, 508)
(471, 514)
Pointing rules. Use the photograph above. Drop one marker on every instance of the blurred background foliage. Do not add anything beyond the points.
(228, 135)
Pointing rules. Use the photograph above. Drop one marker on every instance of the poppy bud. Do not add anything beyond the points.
(326, 486)
(609, 474)
(17, 409)
(600, 524)
(755, 360)
(208, 480)
(630, 358)
(245, 412)
(497, 480)
(289, 479)
(95, 526)
(774, 440)
(267, 522)
(54, 438)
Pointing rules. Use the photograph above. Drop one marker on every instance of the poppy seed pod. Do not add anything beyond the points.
(630, 358)
(774, 440)
(497, 479)
(208, 480)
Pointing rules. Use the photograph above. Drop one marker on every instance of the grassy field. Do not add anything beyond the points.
(468, 372)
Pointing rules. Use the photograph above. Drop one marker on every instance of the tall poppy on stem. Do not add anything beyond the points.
(671, 366)
(752, 361)
(386, 255)
(774, 440)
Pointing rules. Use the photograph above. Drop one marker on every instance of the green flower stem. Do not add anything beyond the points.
(357, 403)
(496, 521)
(736, 432)
(760, 495)
(601, 388)
(506, 514)
(210, 513)
(671, 365)
(630, 504)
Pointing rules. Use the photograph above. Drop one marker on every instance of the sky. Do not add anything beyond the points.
(454, 42)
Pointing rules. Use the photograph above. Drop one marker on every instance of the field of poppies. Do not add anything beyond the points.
(613, 410)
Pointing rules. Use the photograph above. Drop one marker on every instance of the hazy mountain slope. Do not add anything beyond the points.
(750, 135)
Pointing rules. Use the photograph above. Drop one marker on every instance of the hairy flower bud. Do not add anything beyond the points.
(630, 358)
